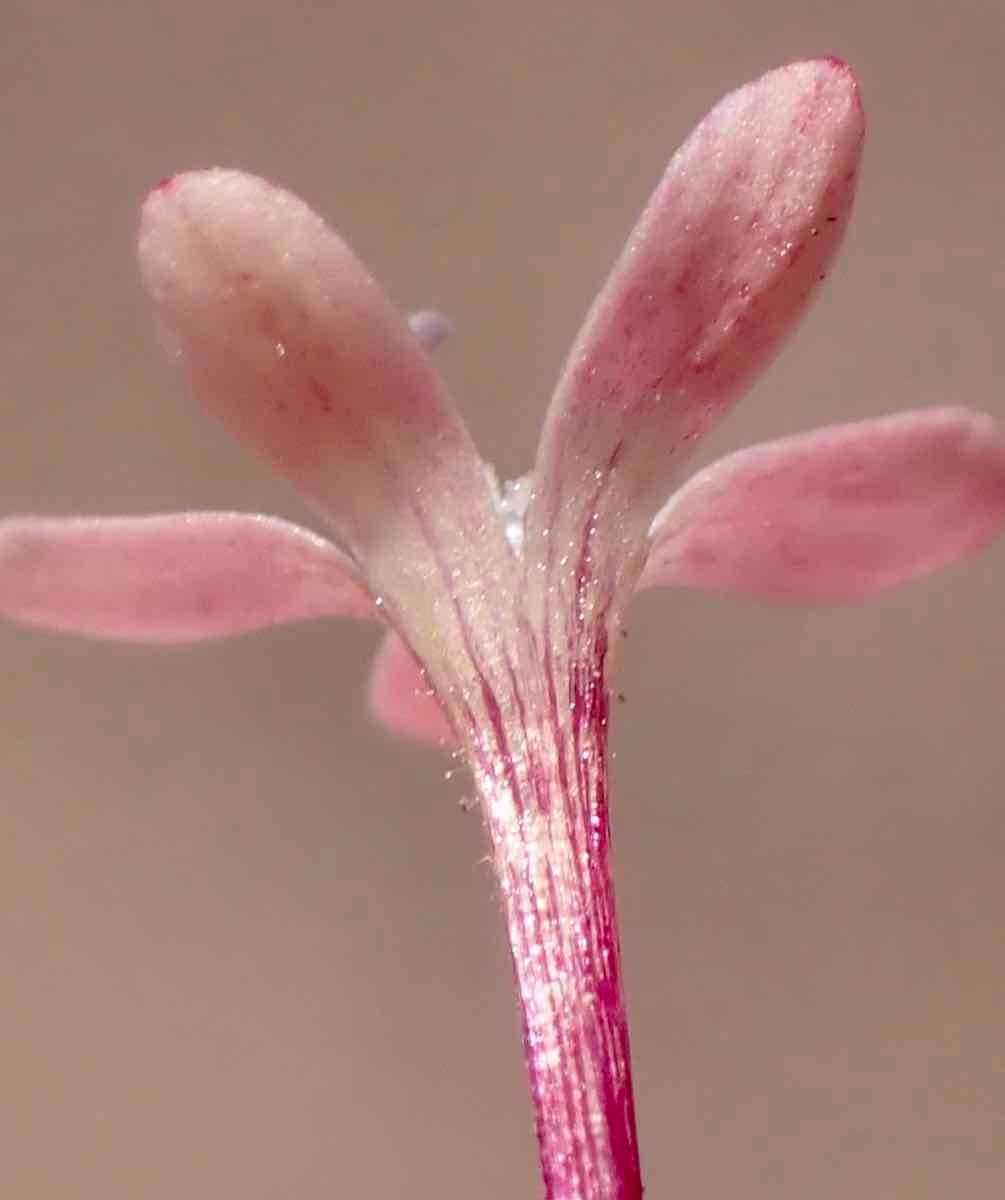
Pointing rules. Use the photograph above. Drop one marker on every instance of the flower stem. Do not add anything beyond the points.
(545, 806)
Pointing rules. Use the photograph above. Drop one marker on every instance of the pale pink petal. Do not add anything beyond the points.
(837, 513)
(290, 342)
(401, 699)
(171, 578)
(722, 263)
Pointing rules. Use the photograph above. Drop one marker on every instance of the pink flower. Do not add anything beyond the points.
(510, 598)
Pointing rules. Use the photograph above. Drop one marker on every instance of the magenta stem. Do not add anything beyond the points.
(546, 811)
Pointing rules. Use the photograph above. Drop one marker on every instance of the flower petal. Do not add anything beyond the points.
(290, 342)
(722, 263)
(171, 578)
(401, 699)
(838, 513)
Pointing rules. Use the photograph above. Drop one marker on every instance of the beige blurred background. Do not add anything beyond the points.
(247, 949)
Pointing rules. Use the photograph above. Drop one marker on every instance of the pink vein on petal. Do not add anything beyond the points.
(288, 340)
(171, 578)
(724, 260)
(837, 513)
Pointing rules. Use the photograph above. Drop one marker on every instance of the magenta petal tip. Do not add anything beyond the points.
(169, 186)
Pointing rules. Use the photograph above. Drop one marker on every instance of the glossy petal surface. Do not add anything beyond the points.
(837, 513)
(172, 578)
